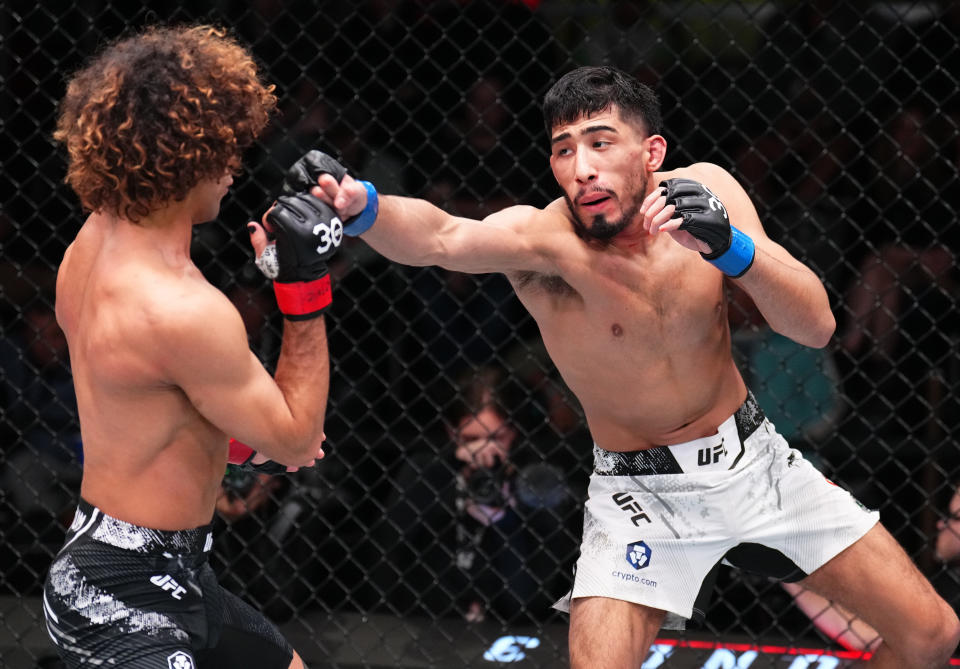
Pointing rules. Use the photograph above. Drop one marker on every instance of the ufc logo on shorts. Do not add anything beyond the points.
(708, 456)
(625, 501)
(166, 582)
(330, 235)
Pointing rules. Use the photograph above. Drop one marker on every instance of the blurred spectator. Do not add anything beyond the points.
(42, 468)
(946, 548)
(285, 542)
(41, 454)
(798, 386)
(479, 171)
(901, 317)
(478, 531)
(469, 169)
(840, 625)
(913, 241)
(797, 174)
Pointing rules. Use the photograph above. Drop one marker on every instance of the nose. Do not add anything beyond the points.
(585, 168)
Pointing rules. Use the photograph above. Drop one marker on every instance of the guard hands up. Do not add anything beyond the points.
(306, 233)
(702, 224)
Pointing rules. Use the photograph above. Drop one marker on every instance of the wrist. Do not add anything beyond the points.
(303, 300)
(737, 258)
(365, 219)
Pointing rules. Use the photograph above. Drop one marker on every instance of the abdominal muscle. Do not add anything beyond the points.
(647, 389)
(670, 413)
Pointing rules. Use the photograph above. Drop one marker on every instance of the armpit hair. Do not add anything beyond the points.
(550, 283)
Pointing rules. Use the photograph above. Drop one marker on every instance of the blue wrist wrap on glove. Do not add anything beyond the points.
(365, 219)
(738, 258)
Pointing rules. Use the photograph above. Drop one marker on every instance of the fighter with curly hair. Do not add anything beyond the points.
(155, 126)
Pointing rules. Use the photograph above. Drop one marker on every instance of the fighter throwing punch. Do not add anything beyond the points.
(625, 278)
(154, 127)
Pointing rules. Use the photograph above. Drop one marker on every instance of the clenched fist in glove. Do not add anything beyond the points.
(303, 175)
(706, 219)
(304, 233)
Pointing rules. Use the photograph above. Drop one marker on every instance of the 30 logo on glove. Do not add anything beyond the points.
(306, 234)
(706, 219)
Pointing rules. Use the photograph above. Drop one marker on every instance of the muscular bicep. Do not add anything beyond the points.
(210, 360)
(415, 232)
(515, 239)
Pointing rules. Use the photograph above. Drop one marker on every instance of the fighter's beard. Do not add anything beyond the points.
(600, 228)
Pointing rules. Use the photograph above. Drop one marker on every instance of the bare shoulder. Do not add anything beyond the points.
(526, 219)
(185, 309)
(552, 232)
(714, 177)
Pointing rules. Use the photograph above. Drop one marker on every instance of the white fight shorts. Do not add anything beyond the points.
(658, 522)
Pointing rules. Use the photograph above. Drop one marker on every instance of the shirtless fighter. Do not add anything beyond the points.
(155, 126)
(625, 278)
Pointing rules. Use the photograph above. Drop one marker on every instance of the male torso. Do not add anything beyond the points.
(149, 457)
(638, 329)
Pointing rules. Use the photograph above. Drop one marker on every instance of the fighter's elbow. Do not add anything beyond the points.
(296, 445)
(820, 330)
(307, 446)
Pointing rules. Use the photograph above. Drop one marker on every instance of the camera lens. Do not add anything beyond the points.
(485, 486)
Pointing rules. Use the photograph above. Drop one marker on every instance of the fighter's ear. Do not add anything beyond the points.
(656, 152)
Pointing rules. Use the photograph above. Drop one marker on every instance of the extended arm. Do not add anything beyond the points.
(415, 232)
(790, 296)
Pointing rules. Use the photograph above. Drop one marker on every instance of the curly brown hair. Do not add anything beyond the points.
(154, 114)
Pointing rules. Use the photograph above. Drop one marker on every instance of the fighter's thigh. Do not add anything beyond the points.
(247, 639)
(875, 578)
(611, 633)
(108, 646)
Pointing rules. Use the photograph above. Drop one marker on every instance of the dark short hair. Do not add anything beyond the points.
(154, 114)
(589, 90)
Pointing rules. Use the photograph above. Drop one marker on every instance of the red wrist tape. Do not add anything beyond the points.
(301, 300)
(239, 452)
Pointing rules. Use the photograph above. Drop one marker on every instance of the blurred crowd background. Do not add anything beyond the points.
(840, 119)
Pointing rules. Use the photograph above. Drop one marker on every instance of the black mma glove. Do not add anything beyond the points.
(303, 175)
(307, 233)
(706, 219)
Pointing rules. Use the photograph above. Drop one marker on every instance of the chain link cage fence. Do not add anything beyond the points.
(839, 118)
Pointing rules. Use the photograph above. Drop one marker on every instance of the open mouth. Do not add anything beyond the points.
(594, 200)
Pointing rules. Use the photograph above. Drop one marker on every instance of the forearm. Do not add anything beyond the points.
(791, 298)
(409, 231)
(303, 377)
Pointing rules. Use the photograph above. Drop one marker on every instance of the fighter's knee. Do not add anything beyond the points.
(934, 638)
(951, 630)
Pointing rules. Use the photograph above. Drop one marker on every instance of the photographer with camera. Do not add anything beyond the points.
(472, 532)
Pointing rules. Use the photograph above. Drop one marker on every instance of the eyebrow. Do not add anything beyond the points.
(563, 136)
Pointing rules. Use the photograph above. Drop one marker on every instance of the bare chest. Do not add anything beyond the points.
(651, 304)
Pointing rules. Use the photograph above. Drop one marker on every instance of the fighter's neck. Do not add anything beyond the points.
(170, 238)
